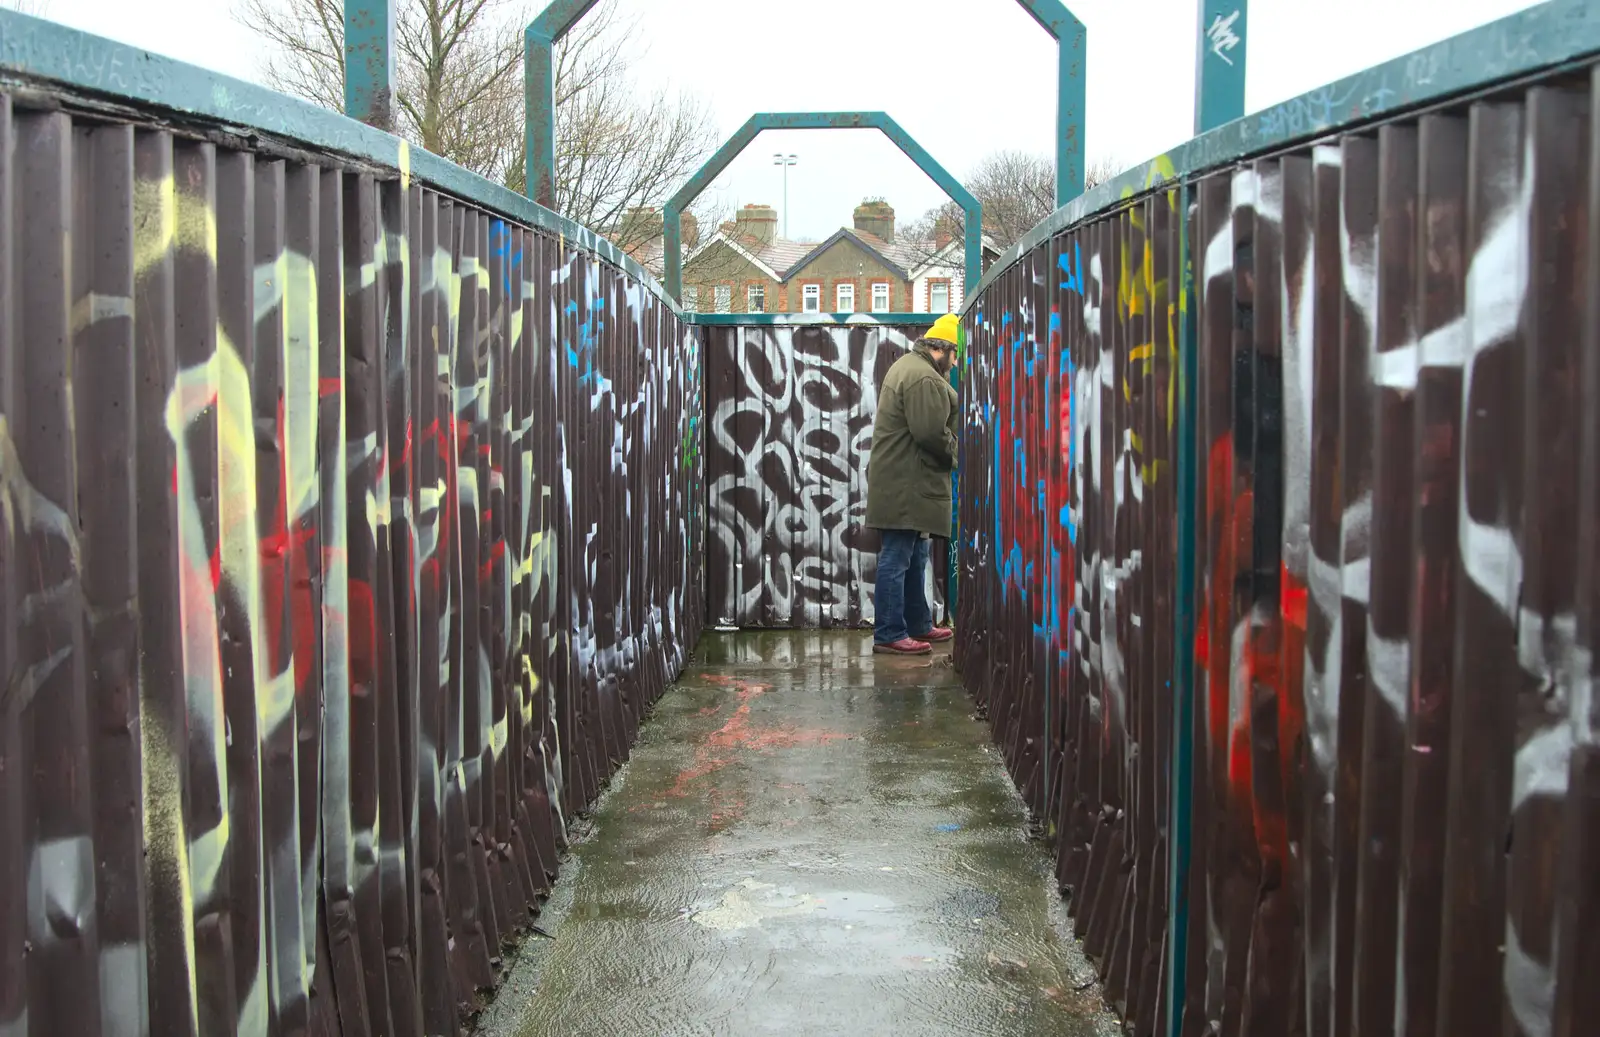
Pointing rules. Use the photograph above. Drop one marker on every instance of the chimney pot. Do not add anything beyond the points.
(757, 223)
(639, 226)
(876, 218)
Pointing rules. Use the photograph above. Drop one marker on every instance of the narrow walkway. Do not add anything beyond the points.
(808, 841)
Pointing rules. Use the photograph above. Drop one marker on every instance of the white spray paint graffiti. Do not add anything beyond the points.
(792, 433)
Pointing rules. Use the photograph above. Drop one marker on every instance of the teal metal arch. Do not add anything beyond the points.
(672, 213)
(539, 95)
(561, 15)
(1072, 48)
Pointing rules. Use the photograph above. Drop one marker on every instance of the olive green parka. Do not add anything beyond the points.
(913, 447)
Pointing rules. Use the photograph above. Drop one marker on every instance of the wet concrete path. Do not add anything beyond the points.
(809, 840)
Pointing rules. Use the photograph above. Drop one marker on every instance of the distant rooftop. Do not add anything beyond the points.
(784, 255)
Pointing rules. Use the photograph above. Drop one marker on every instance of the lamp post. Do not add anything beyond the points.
(785, 161)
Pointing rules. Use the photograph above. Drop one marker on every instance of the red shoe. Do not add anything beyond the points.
(937, 634)
(904, 646)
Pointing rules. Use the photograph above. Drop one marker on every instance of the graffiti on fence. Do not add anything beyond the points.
(791, 410)
(1394, 582)
(321, 643)
(1066, 559)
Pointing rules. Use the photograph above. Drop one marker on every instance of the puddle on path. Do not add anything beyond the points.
(808, 841)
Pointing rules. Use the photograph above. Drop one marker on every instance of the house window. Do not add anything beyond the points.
(691, 300)
(811, 298)
(880, 297)
(755, 299)
(724, 297)
(939, 297)
(844, 298)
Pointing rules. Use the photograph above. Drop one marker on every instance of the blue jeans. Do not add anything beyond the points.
(900, 600)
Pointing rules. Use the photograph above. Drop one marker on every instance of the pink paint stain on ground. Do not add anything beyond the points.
(702, 767)
(726, 809)
(737, 733)
(780, 739)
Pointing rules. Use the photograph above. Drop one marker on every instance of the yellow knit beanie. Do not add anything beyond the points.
(946, 329)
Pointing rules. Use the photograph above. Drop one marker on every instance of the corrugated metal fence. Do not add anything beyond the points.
(349, 530)
(790, 408)
(1332, 518)
(1067, 550)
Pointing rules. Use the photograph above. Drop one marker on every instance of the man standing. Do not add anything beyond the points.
(908, 486)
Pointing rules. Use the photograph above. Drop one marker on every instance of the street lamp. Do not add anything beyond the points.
(785, 161)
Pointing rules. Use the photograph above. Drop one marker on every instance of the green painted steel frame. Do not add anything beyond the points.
(1072, 42)
(539, 95)
(672, 214)
(560, 16)
(1184, 602)
(1221, 54)
(369, 62)
(955, 506)
(1532, 41)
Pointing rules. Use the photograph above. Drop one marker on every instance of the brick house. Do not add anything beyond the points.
(740, 268)
(747, 268)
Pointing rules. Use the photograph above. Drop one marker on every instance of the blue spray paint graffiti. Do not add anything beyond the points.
(1073, 270)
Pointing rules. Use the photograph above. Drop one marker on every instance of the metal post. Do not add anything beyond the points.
(974, 251)
(369, 62)
(780, 159)
(1219, 64)
(954, 544)
(539, 95)
(672, 247)
(1071, 100)
(1071, 92)
(1184, 600)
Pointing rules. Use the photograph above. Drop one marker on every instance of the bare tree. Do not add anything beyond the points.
(1016, 189)
(459, 94)
(37, 8)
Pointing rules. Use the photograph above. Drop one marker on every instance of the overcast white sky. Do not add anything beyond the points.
(965, 77)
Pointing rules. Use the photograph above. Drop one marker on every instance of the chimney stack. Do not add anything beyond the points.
(945, 230)
(876, 218)
(640, 226)
(758, 224)
(691, 230)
